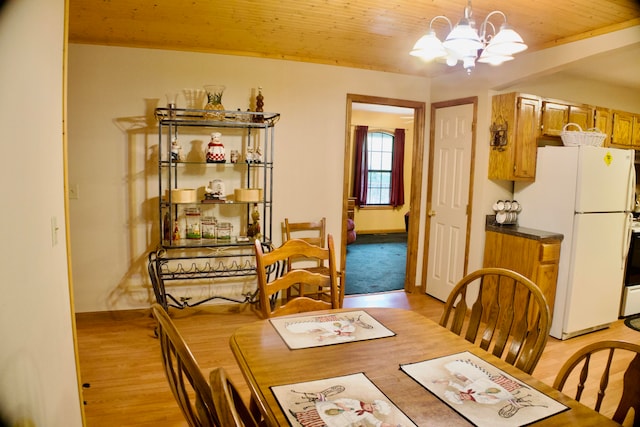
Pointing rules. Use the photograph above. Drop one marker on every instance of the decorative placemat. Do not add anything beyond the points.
(327, 329)
(482, 393)
(350, 400)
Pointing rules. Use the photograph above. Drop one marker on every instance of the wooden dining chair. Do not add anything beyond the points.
(314, 233)
(503, 312)
(274, 277)
(600, 372)
(189, 386)
(229, 405)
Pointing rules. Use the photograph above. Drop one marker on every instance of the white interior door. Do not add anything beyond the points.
(452, 148)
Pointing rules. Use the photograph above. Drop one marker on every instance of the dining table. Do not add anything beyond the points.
(266, 361)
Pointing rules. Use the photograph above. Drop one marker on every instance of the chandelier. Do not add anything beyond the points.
(465, 42)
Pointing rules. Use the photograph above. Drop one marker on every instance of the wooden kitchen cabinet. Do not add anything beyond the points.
(622, 129)
(530, 120)
(603, 121)
(516, 159)
(534, 254)
(556, 114)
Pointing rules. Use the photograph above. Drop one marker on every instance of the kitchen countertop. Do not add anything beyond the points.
(516, 230)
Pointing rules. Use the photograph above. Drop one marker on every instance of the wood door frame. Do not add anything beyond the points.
(419, 109)
(432, 130)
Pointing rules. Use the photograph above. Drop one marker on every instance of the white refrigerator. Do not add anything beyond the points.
(587, 194)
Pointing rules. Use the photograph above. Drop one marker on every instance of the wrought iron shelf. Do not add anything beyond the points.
(220, 262)
(181, 261)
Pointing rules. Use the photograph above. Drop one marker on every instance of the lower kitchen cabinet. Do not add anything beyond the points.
(534, 254)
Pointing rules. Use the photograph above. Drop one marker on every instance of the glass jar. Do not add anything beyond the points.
(223, 231)
(192, 216)
(214, 107)
(208, 227)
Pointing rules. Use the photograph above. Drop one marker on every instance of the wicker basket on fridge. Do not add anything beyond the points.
(574, 138)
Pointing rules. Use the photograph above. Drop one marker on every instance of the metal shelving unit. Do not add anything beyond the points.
(206, 260)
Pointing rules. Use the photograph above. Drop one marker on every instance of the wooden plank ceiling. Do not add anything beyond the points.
(369, 34)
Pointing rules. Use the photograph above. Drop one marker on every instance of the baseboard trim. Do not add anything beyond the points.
(399, 230)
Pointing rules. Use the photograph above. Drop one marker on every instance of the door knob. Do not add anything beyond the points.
(431, 213)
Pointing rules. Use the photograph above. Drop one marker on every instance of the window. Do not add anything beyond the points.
(380, 164)
(378, 170)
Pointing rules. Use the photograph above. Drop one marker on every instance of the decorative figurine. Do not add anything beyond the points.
(215, 150)
(176, 150)
(215, 190)
(254, 155)
(253, 230)
(166, 227)
(235, 155)
(259, 106)
(257, 155)
(176, 231)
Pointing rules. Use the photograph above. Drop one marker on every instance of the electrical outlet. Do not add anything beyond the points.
(74, 191)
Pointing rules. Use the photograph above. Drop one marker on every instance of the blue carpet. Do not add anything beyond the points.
(376, 263)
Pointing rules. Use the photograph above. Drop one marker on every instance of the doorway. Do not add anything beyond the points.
(412, 200)
(449, 195)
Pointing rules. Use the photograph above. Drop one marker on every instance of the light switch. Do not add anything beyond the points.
(74, 191)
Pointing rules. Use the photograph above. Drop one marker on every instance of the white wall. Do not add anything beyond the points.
(38, 381)
(111, 93)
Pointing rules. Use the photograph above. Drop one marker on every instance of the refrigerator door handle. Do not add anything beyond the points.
(627, 241)
(631, 184)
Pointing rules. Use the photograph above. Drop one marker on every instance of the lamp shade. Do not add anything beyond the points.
(506, 42)
(493, 58)
(463, 38)
(429, 47)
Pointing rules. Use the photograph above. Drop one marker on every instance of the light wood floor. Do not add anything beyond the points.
(125, 383)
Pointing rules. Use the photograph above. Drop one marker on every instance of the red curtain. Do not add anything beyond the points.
(397, 170)
(361, 167)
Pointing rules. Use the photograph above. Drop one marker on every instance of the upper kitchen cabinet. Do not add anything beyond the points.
(520, 122)
(602, 121)
(515, 128)
(623, 129)
(556, 114)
